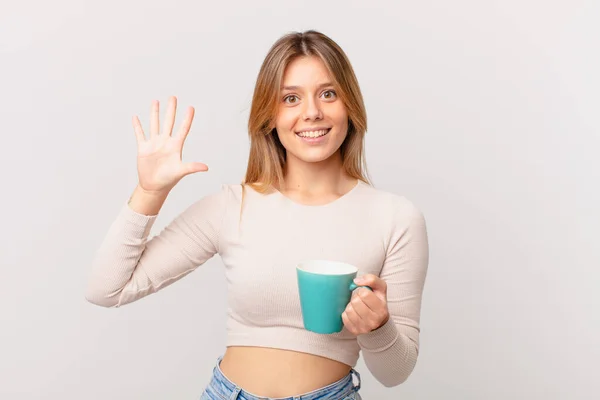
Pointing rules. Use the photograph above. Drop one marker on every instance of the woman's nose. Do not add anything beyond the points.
(312, 110)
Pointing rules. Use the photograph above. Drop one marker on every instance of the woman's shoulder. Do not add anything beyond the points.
(390, 203)
(237, 192)
(231, 190)
(234, 194)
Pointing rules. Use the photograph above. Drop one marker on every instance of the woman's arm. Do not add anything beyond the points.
(128, 266)
(390, 352)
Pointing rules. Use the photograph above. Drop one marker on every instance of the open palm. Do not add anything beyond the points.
(159, 161)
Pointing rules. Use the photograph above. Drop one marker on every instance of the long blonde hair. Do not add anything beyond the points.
(267, 155)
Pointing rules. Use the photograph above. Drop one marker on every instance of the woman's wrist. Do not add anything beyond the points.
(147, 203)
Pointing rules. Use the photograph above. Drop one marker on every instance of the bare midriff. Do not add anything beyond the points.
(269, 372)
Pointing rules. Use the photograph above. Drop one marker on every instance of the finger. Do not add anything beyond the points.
(187, 123)
(348, 323)
(193, 167)
(373, 281)
(353, 316)
(170, 116)
(369, 299)
(139, 131)
(360, 308)
(154, 119)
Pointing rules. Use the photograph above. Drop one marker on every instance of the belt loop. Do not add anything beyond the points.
(235, 393)
(357, 386)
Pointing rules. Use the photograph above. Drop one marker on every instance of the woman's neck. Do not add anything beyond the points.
(318, 179)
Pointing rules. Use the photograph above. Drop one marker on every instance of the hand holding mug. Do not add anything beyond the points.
(325, 289)
(368, 309)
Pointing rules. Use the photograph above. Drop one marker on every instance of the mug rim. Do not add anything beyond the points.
(350, 269)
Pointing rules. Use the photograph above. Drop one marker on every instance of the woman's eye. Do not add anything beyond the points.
(330, 94)
(288, 99)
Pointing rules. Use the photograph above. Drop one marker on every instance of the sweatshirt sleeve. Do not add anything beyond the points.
(127, 266)
(390, 352)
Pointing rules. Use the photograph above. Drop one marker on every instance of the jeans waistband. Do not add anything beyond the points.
(230, 391)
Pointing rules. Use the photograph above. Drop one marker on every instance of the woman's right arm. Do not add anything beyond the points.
(127, 265)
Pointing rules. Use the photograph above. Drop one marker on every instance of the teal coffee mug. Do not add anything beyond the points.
(325, 289)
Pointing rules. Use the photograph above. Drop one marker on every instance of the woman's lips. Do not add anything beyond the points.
(317, 136)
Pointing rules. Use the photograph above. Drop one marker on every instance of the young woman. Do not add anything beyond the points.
(305, 196)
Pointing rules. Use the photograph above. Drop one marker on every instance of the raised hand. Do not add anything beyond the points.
(159, 162)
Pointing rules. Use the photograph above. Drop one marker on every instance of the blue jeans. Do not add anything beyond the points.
(221, 388)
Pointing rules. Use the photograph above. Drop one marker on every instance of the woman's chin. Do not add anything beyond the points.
(314, 156)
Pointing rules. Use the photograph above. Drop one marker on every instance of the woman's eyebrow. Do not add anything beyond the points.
(298, 87)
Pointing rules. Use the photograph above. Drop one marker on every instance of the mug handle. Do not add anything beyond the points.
(354, 286)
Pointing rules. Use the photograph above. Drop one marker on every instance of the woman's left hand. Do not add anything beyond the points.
(367, 310)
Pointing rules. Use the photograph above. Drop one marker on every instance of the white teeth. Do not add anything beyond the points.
(313, 134)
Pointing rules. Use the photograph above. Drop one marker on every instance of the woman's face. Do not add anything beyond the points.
(312, 121)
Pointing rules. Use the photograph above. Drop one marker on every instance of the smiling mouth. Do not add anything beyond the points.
(313, 134)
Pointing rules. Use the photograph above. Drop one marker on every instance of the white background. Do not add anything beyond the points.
(483, 113)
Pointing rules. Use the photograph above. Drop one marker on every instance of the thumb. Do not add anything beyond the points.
(374, 282)
(193, 167)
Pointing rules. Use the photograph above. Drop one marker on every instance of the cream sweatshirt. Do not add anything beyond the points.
(260, 242)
